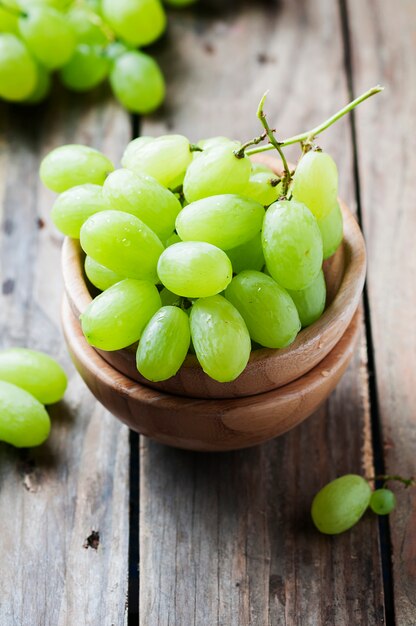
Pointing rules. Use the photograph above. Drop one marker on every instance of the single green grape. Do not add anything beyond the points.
(18, 72)
(42, 87)
(194, 269)
(220, 338)
(24, 422)
(164, 344)
(117, 317)
(86, 26)
(331, 228)
(226, 220)
(247, 256)
(292, 244)
(86, 69)
(75, 205)
(263, 188)
(137, 82)
(139, 22)
(48, 35)
(59, 5)
(143, 196)
(213, 142)
(382, 501)
(8, 19)
(315, 183)
(35, 372)
(340, 504)
(100, 276)
(267, 309)
(131, 148)
(123, 243)
(74, 164)
(310, 302)
(216, 171)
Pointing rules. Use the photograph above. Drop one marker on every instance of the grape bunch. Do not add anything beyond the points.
(197, 248)
(28, 380)
(86, 42)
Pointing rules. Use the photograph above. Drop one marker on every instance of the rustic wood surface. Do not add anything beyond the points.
(223, 539)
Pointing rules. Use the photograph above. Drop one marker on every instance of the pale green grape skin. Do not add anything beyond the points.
(310, 302)
(35, 372)
(263, 188)
(174, 238)
(169, 298)
(74, 164)
(226, 220)
(332, 231)
(75, 205)
(292, 244)
(257, 168)
(117, 317)
(340, 504)
(194, 269)
(165, 158)
(383, 501)
(315, 183)
(9, 21)
(164, 344)
(137, 82)
(86, 69)
(131, 149)
(213, 142)
(84, 24)
(144, 197)
(24, 422)
(216, 171)
(139, 22)
(99, 275)
(42, 87)
(220, 338)
(123, 243)
(267, 309)
(247, 256)
(18, 72)
(48, 35)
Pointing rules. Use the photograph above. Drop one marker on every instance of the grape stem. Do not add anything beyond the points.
(193, 147)
(12, 10)
(240, 153)
(407, 482)
(310, 134)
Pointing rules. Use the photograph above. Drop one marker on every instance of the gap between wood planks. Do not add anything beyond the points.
(376, 426)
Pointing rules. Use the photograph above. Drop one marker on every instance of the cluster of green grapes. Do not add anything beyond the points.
(28, 380)
(339, 505)
(87, 41)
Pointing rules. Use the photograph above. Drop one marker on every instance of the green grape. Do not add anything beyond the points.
(292, 244)
(194, 269)
(310, 302)
(331, 228)
(48, 35)
(340, 504)
(117, 317)
(9, 19)
(60, 5)
(123, 243)
(115, 49)
(220, 338)
(180, 3)
(267, 309)
(139, 22)
(169, 298)
(18, 73)
(86, 26)
(216, 171)
(100, 276)
(74, 164)
(164, 344)
(165, 158)
(42, 87)
(263, 188)
(260, 168)
(174, 238)
(247, 256)
(213, 142)
(24, 422)
(315, 183)
(137, 82)
(86, 69)
(226, 220)
(382, 501)
(131, 149)
(144, 197)
(75, 205)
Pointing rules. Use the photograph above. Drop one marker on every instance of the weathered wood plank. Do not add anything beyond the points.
(383, 50)
(54, 496)
(226, 539)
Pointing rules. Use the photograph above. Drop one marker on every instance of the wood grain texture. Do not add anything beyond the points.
(383, 50)
(54, 496)
(226, 539)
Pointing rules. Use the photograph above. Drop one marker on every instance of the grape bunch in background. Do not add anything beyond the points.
(86, 42)
(198, 248)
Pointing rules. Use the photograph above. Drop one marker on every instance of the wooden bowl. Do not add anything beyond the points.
(207, 424)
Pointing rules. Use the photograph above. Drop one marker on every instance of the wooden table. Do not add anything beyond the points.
(223, 539)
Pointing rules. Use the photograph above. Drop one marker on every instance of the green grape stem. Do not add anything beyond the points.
(12, 10)
(193, 147)
(240, 153)
(407, 482)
